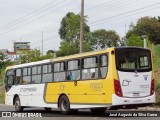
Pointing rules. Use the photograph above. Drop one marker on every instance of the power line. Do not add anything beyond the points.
(112, 7)
(126, 16)
(126, 13)
(38, 30)
(99, 5)
(88, 9)
(38, 18)
(46, 27)
(29, 15)
(32, 16)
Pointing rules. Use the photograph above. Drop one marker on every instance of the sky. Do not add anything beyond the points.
(26, 20)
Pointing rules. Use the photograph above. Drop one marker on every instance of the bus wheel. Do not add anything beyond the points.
(98, 110)
(64, 105)
(47, 108)
(17, 105)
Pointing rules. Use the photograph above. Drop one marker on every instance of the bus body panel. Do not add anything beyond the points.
(135, 84)
(30, 95)
(135, 76)
(81, 92)
(116, 100)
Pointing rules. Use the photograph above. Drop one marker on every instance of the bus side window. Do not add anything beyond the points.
(18, 78)
(36, 74)
(9, 80)
(47, 73)
(90, 68)
(103, 66)
(59, 71)
(26, 76)
(73, 70)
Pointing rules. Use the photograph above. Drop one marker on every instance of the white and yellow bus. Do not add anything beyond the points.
(98, 80)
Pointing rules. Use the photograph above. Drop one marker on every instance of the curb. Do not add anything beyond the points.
(150, 108)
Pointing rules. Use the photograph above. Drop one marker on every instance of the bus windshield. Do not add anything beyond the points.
(131, 59)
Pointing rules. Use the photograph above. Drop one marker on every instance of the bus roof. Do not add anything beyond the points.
(83, 54)
(60, 58)
(29, 64)
(131, 47)
(68, 57)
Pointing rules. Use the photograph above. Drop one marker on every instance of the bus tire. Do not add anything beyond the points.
(17, 105)
(98, 110)
(64, 105)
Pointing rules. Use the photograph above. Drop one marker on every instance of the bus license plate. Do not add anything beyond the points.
(136, 94)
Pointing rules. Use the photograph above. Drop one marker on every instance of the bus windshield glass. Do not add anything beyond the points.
(131, 59)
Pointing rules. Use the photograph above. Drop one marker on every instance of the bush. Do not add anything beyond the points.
(158, 94)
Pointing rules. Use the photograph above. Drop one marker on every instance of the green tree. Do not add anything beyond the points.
(50, 51)
(50, 54)
(70, 34)
(69, 48)
(102, 39)
(30, 56)
(3, 61)
(34, 55)
(70, 28)
(62, 31)
(135, 40)
(147, 26)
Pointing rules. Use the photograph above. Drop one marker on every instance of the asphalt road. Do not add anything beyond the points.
(82, 114)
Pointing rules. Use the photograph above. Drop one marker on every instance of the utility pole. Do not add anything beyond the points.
(81, 26)
(144, 40)
(125, 31)
(21, 43)
(42, 42)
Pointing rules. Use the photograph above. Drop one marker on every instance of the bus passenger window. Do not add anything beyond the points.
(103, 66)
(59, 71)
(47, 73)
(90, 68)
(39, 70)
(36, 77)
(18, 77)
(73, 72)
(26, 76)
(45, 67)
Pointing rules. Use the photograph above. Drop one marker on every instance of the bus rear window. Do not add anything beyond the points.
(133, 59)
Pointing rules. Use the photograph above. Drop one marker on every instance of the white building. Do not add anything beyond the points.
(12, 56)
